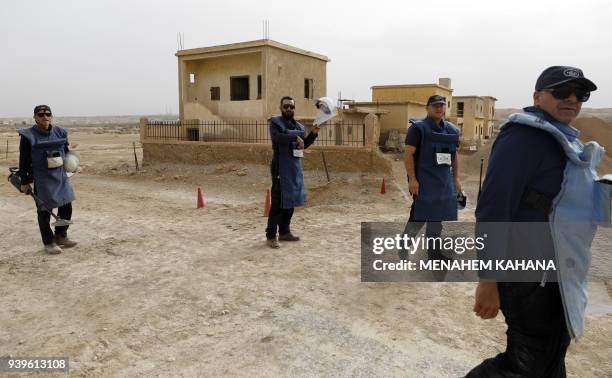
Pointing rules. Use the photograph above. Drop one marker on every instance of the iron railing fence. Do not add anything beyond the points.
(333, 133)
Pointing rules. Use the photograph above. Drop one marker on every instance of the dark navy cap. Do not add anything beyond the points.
(42, 108)
(436, 99)
(557, 75)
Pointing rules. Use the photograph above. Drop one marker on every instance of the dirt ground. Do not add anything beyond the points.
(157, 287)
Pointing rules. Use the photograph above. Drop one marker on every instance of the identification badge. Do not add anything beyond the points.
(443, 158)
(298, 153)
(54, 160)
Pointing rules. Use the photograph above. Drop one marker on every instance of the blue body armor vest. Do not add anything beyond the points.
(52, 184)
(437, 198)
(293, 193)
(579, 207)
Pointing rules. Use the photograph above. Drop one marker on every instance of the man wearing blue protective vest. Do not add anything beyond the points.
(432, 167)
(42, 149)
(540, 172)
(288, 144)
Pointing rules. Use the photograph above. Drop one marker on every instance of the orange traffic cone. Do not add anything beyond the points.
(268, 201)
(201, 203)
(383, 189)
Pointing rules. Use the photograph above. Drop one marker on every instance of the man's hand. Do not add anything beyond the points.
(457, 185)
(26, 189)
(315, 129)
(300, 143)
(486, 304)
(413, 187)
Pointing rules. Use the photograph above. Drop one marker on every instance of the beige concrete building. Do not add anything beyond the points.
(247, 80)
(474, 117)
(418, 93)
(489, 114)
(403, 102)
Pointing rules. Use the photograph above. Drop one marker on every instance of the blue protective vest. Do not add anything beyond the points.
(293, 193)
(52, 184)
(576, 213)
(437, 199)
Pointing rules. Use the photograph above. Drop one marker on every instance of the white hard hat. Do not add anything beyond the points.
(71, 162)
(327, 110)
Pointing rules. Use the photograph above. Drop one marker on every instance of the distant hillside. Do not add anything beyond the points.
(89, 120)
(591, 128)
(604, 114)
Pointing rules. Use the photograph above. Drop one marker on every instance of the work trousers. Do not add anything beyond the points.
(432, 229)
(279, 219)
(44, 217)
(537, 336)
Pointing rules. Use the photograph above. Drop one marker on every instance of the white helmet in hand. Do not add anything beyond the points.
(71, 162)
(327, 110)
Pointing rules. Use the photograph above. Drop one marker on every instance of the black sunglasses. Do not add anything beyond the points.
(42, 114)
(562, 93)
(287, 106)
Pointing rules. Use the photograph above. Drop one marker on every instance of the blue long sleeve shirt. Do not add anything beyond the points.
(522, 159)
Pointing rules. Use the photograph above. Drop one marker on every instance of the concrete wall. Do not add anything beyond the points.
(338, 159)
(409, 93)
(397, 117)
(216, 72)
(284, 75)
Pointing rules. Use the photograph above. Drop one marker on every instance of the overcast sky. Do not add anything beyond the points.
(110, 57)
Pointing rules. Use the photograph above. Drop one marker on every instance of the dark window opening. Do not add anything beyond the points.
(308, 88)
(193, 134)
(215, 93)
(239, 88)
(259, 87)
(460, 109)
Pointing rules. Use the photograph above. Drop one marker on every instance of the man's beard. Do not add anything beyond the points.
(288, 115)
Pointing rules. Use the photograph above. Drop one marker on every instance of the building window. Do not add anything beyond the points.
(259, 87)
(215, 93)
(308, 88)
(192, 78)
(460, 109)
(239, 88)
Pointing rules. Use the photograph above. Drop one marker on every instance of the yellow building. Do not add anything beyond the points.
(247, 80)
(403, 102)
(418, 93)
(474, 117)
(489, 114)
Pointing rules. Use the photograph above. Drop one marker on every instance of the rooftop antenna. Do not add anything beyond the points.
(265, 25)
(180, 40)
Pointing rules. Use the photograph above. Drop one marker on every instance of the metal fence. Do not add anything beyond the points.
(334, 133)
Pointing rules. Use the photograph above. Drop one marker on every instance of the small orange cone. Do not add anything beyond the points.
(268, 201)
(383, 189)
(201, 203)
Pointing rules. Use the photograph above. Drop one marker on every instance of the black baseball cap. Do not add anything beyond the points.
(558, 75)
(436, 99)
(42, 108)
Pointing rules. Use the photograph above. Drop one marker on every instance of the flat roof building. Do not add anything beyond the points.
(246, 80)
